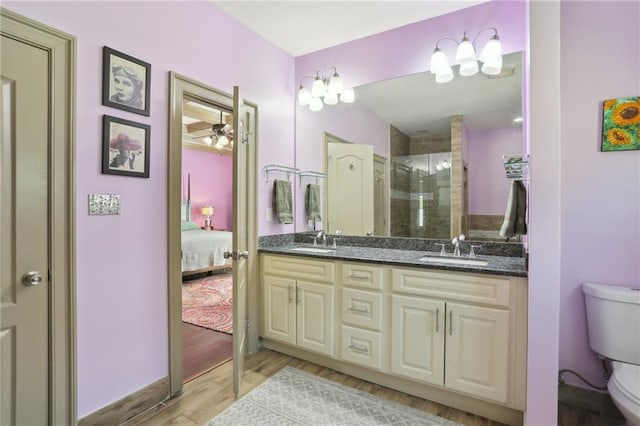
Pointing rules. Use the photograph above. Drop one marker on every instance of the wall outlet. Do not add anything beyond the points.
(269, 214)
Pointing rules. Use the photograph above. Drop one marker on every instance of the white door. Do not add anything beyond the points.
(240, 240)
(417, 347)
(350, 182)
(24, 231)
(477, 359)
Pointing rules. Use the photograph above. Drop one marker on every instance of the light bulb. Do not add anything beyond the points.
(335, 84)
(444, 75)
(315, 104)
(347, 96)
(469, 68)
(331, 98)
(304, 96)
(318, 89)
(493, 66)
(465, 52)
(439, 61)
(491, 50)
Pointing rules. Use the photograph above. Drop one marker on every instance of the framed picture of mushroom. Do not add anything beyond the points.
(125, 147)
(125, 82)
(621, 124)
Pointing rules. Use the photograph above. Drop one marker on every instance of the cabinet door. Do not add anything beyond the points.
(315, 317)
(477, 357)
(417, 349)
(279, 309)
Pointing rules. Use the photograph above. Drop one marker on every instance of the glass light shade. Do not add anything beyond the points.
(223, 141)
(335, 84)
(331, 98)
(207, 140)
(444, 75)
(318, 89)
(315, 104)
(304, 96)
(492, 50)
(465, 52)
(492, 67)
(206, 211)
(439, 61)
(347, 96)
(469, 68)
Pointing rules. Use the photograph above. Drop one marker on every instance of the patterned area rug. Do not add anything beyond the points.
(207, 302)
(293, 397)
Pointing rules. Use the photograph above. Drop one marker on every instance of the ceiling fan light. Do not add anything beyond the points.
(465, 51)
(492, 67)
(347, 96)
(304, 96)
(315, 104)
(223, 141)
(469, 68)
(208, 140)
(318, 89)
(439, 61)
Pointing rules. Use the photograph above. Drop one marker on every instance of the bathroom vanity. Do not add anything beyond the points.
(448, 332)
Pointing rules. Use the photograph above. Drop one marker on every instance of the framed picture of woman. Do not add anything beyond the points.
(125, 82)
(125, 147)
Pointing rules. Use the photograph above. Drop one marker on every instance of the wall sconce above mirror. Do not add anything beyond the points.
(490, 56)
(324, 90)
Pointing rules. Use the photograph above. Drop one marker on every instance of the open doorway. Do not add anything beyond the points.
(206, 225)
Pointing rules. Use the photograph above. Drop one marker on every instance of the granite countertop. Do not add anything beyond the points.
(497, 265)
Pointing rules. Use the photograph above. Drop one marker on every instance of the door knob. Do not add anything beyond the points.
(31, 278)
(227, 255)
(243, 254)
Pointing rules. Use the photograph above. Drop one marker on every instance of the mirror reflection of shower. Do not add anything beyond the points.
(421, 195)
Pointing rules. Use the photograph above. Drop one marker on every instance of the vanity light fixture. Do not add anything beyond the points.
(324, 91)
(491, 57)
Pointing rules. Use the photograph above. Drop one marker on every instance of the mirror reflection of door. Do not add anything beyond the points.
(350, 182)
(380, 210)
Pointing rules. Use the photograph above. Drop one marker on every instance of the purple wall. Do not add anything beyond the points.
(488, 186)
(600, 204)
(121, 281)
(211, 185)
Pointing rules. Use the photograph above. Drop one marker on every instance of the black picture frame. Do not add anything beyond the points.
(125, 147)
(126, 82)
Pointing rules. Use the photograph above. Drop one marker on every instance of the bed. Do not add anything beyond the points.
(203, 250)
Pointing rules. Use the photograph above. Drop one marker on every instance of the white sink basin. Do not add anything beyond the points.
(455, 261)
(313, 250)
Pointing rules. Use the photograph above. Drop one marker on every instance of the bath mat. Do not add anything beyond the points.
(207, 302)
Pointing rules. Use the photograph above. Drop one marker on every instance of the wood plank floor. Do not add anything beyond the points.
(212, 392)
(203, 349)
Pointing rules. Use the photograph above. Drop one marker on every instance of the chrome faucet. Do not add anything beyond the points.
(456, 241)
(322, 235)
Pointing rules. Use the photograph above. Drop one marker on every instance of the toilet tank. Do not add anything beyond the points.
(613, 321)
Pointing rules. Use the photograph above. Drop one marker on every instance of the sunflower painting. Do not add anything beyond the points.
(621, 124)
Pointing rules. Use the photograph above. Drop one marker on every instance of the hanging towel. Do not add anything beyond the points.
(312, 202)
(282, 201)
(516, 212)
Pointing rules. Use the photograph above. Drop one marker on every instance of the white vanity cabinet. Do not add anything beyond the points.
(455, 330)
(298, 302)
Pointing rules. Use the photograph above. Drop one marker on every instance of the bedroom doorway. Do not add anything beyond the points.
(212, 183)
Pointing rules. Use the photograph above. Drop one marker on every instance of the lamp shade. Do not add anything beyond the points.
(206, 211)
(315, 104)
(331, 98)
(335, 84)
(492, 67)
(318, 88)
(347, 96)
(439, 61)
(465, 52)
(444, 75)
(469, 68)
(304, 96)
(492, 50)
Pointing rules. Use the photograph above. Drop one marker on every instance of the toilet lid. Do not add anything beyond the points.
(627, 379)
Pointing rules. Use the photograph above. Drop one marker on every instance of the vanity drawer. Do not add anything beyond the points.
(452, 286)
(362, 347)
(362, 308)
(365, 276)
(295, 267)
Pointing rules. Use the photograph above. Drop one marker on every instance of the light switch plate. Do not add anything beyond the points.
(269, 214)
(104, 204)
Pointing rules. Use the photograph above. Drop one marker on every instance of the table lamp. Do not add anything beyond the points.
(207, 212)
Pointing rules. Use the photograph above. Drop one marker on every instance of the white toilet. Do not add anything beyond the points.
(613, 320)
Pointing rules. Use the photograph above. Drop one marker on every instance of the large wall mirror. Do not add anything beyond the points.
(437, 164)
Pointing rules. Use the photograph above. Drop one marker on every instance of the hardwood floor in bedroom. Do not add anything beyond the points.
(203, 349)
